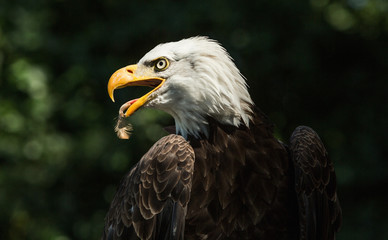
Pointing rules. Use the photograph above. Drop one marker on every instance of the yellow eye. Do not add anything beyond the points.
(161, 64)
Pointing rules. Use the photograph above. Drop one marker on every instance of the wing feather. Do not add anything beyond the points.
(152, 199)
(315, 185)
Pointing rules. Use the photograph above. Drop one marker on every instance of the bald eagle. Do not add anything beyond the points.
(222, 174)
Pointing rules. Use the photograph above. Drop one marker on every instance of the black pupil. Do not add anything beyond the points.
(161, 64)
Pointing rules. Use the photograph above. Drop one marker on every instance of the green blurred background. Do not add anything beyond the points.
(319, 63)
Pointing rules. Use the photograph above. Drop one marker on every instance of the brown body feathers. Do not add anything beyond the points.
(239, 183)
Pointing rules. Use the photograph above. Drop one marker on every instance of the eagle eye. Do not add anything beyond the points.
(161, 64)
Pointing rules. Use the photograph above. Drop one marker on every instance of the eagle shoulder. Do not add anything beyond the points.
(152, 198)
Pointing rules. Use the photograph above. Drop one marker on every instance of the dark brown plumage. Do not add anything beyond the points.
(239, 183)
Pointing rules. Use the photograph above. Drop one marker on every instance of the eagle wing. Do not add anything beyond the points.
(315, 184)
(151, 200)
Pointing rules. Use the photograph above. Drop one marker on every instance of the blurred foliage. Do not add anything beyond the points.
(320, 63)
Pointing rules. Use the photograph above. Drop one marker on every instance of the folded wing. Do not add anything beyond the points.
(315, 183)
(152, 199)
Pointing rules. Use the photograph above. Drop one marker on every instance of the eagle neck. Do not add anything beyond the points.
(195, 126)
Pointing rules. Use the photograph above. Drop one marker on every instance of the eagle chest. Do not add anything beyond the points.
(235, 183)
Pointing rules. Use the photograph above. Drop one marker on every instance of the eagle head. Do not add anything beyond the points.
(193, 80)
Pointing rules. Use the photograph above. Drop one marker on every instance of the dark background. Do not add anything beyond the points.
(319, 63)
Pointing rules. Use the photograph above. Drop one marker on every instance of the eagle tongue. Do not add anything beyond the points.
(125, 106)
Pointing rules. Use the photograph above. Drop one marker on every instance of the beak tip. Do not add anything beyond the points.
(111, 97)
(110, 91)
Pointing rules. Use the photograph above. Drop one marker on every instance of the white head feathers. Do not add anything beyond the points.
(201, 81)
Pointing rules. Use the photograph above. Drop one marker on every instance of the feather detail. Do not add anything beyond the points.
(123, 128)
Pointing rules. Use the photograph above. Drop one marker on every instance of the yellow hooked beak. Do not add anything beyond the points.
(125, 77)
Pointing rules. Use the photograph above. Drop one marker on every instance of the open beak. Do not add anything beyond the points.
(125, 77)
